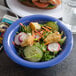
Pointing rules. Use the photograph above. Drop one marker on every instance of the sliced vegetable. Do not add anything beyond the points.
(38, 32)
(46, 29)
(41, 5)
(53, 25)
(17, 41)
(53, 47)
(13, 43)
(22, 37)
(33, 53)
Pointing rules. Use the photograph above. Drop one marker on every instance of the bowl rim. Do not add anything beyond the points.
(36, 65)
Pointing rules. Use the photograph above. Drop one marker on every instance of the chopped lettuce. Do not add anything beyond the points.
(62, 40)
(51, 6)
(41, 46)
(47, 56)
(27, 30)
(22, 29)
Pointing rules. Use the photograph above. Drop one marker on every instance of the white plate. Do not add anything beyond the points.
(23, 10)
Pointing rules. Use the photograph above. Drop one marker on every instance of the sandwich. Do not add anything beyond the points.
(43, 4)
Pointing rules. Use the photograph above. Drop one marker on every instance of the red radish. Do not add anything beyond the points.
(17, 42)
(17, 38)
(53, 47)
(13, 42)
(22, 37)
(21, 24)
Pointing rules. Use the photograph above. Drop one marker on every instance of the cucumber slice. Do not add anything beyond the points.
(33, 53)
(53, 25)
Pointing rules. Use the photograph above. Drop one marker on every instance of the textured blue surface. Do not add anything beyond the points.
(12, 53)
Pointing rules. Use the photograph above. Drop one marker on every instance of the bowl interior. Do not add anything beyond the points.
(11, 32)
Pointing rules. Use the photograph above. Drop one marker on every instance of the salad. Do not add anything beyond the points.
(39, 42)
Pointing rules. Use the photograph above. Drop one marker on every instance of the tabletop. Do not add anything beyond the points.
(65, 68)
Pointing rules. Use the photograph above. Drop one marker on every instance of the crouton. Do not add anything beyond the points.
(35, 26)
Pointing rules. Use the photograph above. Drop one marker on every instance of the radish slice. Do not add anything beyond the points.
(18, 37)
(54, 47)
(22, 37)
(17, 42)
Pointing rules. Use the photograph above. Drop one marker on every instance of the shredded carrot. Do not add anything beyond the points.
(22, 26)
(38, 32)
(46, 29)
(41, 32)
(47, 43)
(13, 42)
(40, 37)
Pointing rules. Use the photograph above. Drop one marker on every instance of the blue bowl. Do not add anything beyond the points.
(12, 53)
